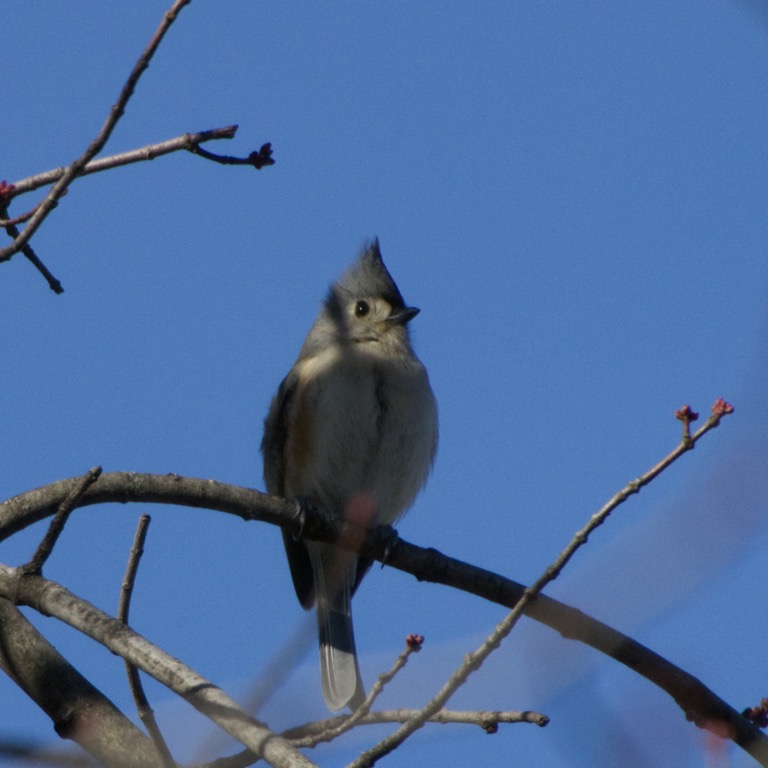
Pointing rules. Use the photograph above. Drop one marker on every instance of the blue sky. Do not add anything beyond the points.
(575, 196)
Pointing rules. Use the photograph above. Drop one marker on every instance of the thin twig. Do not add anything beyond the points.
(13, 231)
(146, 713)
(132, 568)
(43, 551)
(186, 141)
(310, 734)
(474, 660)
(20, 219)
(485, 719)
(413, 644)
(117, 111)
(258, 159)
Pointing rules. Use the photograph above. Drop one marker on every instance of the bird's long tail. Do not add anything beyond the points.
(334, 575)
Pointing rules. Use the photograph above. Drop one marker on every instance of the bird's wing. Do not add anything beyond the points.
(273, 446)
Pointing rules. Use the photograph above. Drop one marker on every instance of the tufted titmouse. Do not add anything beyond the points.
(353, 430)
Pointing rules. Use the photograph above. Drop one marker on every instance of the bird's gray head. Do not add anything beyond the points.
(363, 306)
(367, 277)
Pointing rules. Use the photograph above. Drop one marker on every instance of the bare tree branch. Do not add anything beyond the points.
(117, 111)
(187, 141)
(21, 218)
(474, 660)
(699, 703)
(413, 645)
(311, 734)
(122, 487)
(51, 599)
(43, 552)
(317, 732)
(146, 713)
(79, 711)
(485, 719)
(13, 231)
(259, 159)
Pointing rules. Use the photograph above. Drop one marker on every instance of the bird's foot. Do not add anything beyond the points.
(392, 537)
(299, 518)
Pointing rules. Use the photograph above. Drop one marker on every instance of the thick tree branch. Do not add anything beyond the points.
(51, 599)
(78, 710)
(125, 487)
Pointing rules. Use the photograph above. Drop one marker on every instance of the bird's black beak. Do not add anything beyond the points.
(403, 316)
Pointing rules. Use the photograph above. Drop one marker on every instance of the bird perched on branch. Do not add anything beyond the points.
(352, 430)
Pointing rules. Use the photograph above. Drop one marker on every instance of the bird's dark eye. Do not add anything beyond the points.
(362, 309)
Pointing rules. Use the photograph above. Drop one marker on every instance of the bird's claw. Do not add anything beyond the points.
(392, 538)
(299, 519)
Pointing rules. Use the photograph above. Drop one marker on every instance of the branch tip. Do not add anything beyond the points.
(6, 192)
(686, 414)
(414, 642)
(721, 408)
(758, 715)
(262, 157)
(258, 159)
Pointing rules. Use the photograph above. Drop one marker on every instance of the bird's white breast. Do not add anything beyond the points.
(364, 432)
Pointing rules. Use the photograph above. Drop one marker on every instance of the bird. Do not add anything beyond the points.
(353, 430)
